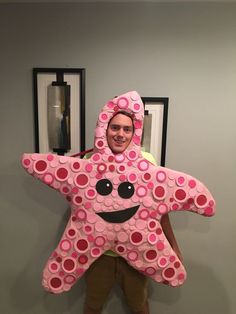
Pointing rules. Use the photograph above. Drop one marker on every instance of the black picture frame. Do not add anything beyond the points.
(71, 81)
(155, 130)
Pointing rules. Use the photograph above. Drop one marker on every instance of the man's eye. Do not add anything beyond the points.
(114, 127)
(127, 129)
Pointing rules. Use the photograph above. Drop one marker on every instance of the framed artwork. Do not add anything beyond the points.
(155, 127)
(59, 110)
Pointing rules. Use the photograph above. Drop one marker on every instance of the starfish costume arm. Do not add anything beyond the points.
(117, 202)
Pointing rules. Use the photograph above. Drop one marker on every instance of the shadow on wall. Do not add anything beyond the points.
(27, 293)
(186, 220)
(202, 293)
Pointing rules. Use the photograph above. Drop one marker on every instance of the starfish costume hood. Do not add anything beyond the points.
(117, 202)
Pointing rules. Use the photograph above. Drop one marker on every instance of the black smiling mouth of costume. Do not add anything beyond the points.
(120, 215)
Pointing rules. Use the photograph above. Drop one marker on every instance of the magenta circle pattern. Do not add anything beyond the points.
(129, 226)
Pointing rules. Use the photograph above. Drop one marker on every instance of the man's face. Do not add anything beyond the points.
(119, 133)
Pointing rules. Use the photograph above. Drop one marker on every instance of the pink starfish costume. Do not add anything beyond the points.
(117, 202)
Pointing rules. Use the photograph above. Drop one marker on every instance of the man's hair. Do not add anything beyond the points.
(125, 113)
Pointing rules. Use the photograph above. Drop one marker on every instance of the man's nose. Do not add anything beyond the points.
(121, 132)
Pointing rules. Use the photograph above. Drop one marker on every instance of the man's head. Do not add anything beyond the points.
(120, 132)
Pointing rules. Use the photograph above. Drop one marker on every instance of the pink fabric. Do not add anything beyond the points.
(116, 203)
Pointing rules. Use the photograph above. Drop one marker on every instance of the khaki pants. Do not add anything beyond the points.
(101, 276)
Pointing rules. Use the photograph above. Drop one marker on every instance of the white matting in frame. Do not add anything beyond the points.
(155, 127)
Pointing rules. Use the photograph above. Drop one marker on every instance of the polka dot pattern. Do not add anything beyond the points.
(117, 202)
(40, 166)
(123, 102)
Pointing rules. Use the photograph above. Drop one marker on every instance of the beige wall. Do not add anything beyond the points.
(182, 51)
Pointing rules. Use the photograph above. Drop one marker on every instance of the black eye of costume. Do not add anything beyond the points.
(104, 187)
(126, 190)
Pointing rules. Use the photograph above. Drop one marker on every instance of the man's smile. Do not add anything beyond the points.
(119, 216)
(119, 141)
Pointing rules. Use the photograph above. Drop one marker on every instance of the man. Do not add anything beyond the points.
(110, 267)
